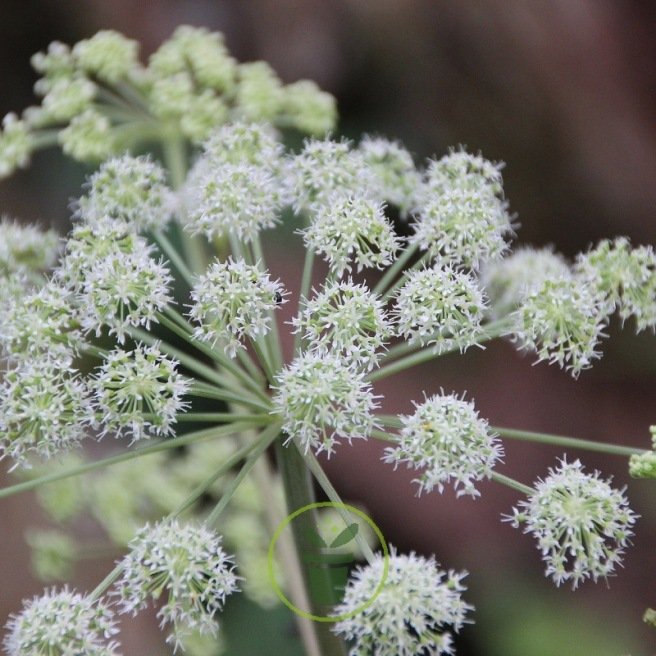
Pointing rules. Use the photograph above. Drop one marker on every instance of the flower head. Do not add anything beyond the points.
(462, 218)
(44, 409)
(413, 612)
(16, 144)
(130, 190)
(188, 564)
(107, 55)
(581, 523)
(235, 187)
(394, 169)
(562, 321)
(441, 306)
(41, 323)
(352, 229)
(65, 97)
(233, 301)
(259, 92)
(88, 137)
(309, 109)
(199, 53)
(345, 319)
(123, 290)
(509, 281)
(625, 277)
(321, 399)
(60, 623)
(446, 439)
(26, 247)
(139, 393)
(325, 168)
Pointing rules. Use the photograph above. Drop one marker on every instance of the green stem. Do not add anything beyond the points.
(44, 139)
(192, 363)
(265, 439)
(273, 515)
(306, 281)
(320, 475)
(175, 155)
(383, 436)
(299, 493)
(273, 336)
(103, 586)
(177, 324)
(173, 443)
(395, 269)
(222, 394)
(247, 362)
(561, 440)
(427, 353)
(175, 258)
(512, 483)
(262, 352)
(218, 417)
(390, 420)
(488, 332)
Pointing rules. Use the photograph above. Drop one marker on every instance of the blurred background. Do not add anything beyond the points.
(565, 93)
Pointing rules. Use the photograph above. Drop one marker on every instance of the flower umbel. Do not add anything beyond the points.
(185, 562)
(440, 306)
(351, 229)
(234, 301)
(413, 613)
(322, 399)
(447, 439)
(62, 623)
(139, 393)
(581, 523)
(346, 319)
(562, 321)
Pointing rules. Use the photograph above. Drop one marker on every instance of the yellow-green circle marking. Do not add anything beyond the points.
(283, 525)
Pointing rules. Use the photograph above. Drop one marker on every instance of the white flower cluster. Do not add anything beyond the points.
(509, 281)
(440, 306)
(130, 191)
(580, 522)
(41, 324)
(346, 319)
(139, 393)
(625, 277)
(187, 564)
(116, 281)
(44, 408)
(26, 248)
(413, 613)
(447, 440)
(394, 171)
(352, 229)
(462, 218)
(60, 623)
(321, 398)
(232, 301)
(100, 100)
(324, 169)
(16, 145)
(235, 188)
(562, 320)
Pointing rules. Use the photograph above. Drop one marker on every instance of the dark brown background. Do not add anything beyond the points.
(563, 92)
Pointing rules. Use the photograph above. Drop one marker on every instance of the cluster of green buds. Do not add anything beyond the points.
(158, 312)
(98, 99)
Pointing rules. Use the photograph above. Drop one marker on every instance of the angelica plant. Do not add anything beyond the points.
(157, 311)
